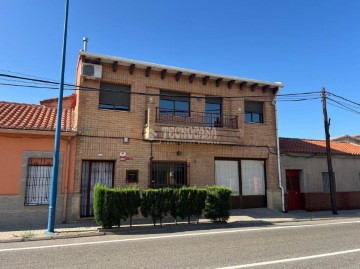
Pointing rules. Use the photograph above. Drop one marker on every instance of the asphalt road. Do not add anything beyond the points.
(319, 245)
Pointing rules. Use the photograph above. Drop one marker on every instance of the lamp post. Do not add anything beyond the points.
(55, 168)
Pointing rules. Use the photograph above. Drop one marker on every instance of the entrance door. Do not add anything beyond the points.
(293, 194)
(94, 172)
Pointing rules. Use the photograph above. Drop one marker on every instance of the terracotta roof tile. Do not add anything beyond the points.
(33, 117)
(298, 145)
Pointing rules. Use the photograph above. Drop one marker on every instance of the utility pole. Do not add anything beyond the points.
(328, 155)
(55, 168)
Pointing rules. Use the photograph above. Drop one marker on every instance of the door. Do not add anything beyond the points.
(94, 172)
(293, 194)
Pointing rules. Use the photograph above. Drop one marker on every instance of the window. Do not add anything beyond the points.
(115, 97)
(165, 173)
(326, 182)
(174, 104)
(227, 174)
(254, 112)
(252, 177)
(132, 176)
(213, 109)
(38, 181)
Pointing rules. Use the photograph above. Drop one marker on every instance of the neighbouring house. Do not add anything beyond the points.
(27, 144)
(348, 138)
(149, 125)
(305, 174)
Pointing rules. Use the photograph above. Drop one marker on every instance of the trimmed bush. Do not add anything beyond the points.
(155, 203)
(99, 200)
(174, 203)
(199, 203)
(132, 202)
(111, 205)
(218, 203)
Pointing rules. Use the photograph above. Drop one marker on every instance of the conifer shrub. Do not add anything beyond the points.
(218, 203)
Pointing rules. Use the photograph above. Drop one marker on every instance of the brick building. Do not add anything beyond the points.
(146, 124)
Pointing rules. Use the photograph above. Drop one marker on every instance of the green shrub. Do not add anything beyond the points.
(104, 206)
(174, 203)
(187, 202)
(111, 205)
(199, 203)
(218, 203)
(132, 202)
(154, 204)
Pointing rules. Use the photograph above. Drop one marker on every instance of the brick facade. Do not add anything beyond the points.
(101, 132)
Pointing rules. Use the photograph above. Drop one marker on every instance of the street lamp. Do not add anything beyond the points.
(55, 168)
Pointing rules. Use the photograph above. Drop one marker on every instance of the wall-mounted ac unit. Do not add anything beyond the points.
(91, 71)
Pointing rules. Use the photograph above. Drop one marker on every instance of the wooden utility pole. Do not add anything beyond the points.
(328, 155)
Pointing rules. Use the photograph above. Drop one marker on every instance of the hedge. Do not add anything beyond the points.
(218, 203)
(111, 205)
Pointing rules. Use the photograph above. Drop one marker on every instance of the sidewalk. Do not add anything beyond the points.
(239, 218)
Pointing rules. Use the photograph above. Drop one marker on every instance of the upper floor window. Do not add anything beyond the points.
(254, 112)
(174, 104)
(213, 111)
(114, 96)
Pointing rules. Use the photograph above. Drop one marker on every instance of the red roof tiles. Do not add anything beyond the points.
(33, 117)
(297, 145)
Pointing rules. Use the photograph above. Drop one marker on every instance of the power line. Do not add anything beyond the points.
(338, 96)
(76, 87)
(340, 105)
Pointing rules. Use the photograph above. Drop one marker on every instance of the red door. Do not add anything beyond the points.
(293, 190)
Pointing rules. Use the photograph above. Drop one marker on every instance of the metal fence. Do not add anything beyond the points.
(168, 174)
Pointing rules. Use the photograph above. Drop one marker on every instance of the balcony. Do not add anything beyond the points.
(191, 126)
(196, 118)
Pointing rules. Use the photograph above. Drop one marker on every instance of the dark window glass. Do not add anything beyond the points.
(254, 112)
(213, 111)
(115, 97)
(168, 174)
(174, 104)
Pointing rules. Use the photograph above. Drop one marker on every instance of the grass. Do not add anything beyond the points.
(27, 235)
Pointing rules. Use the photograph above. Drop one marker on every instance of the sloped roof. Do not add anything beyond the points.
(33, 117)
(297, 145)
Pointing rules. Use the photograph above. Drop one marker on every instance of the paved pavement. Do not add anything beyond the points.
(239, 218)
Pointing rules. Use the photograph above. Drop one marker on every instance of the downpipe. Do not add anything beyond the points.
(279, 160)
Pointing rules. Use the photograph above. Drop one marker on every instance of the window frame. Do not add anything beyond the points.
(174, 97)
(252, 113)
(120, 88)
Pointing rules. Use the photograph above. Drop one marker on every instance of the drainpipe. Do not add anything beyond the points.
(278, 160)
(67, 172)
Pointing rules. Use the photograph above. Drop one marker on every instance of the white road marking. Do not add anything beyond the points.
(180, 235)
(292, 259)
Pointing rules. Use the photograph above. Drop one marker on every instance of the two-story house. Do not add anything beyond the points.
(154, 125)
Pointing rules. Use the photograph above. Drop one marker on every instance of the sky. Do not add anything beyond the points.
(305, 44)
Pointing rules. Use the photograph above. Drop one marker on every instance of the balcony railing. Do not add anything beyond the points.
(196, 118)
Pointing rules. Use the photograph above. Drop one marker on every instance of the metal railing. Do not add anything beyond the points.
(38, 181)
(204, 119)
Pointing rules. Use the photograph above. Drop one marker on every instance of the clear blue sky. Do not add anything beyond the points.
(304, 44)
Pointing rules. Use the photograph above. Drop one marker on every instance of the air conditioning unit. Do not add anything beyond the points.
(91, 71)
